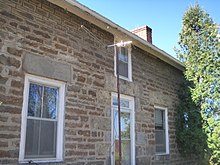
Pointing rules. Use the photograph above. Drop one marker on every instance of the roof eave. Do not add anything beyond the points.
(118, 31)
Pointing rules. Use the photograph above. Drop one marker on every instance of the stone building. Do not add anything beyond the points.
(58, 89)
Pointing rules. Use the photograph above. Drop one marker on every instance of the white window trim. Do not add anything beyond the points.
(132, 114)
(129, 78)
(166, 131)
(59, 148)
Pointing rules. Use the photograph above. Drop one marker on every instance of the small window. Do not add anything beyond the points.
(124, 63)
(42, 120)
(161, 131)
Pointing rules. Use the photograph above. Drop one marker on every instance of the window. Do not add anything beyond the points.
(42, 120)
(127, 130)
(161, 131)
(125, 70)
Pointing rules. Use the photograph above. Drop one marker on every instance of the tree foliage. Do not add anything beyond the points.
(190, 135)
(200, 52)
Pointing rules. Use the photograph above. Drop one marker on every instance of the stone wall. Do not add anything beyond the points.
(40, 38)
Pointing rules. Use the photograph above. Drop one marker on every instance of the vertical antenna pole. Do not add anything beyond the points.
(119, 108)
(116, 46)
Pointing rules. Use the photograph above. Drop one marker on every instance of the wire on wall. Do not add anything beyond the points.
(92, 35)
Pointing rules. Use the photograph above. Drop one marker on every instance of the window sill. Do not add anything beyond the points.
(124, 78)
(162, 154)
(40, 161)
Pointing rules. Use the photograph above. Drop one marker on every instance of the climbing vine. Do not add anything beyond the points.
(191, 138)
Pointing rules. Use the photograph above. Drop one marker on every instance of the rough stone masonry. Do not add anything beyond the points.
(40, 38)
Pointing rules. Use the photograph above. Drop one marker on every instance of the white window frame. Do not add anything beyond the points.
(166, 130)
(132, 126)
(60, 118)
(129, 78)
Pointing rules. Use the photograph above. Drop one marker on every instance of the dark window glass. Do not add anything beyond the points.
(123, 62)
(40, 139)
(50, 103)
(160, 134)
(35, 100)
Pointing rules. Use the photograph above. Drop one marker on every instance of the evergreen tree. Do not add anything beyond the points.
(200, 52)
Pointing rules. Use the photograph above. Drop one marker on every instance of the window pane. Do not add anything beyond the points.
(160, 135)
(125, 125)
(125, 151)
(124, 103)
(115, 101)
(48, 139)
(35, 100)
(123, 61)
(160, 141)
(123, 55)
(123, 69)
(40, 139)
(32, 138)
(50, 102)
(159, 119)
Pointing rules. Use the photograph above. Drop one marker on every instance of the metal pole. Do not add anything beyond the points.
(116, 46)
(119, 108)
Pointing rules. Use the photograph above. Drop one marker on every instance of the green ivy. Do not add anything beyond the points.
(191, 138)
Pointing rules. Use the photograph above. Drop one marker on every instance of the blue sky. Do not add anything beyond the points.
(163, 16)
